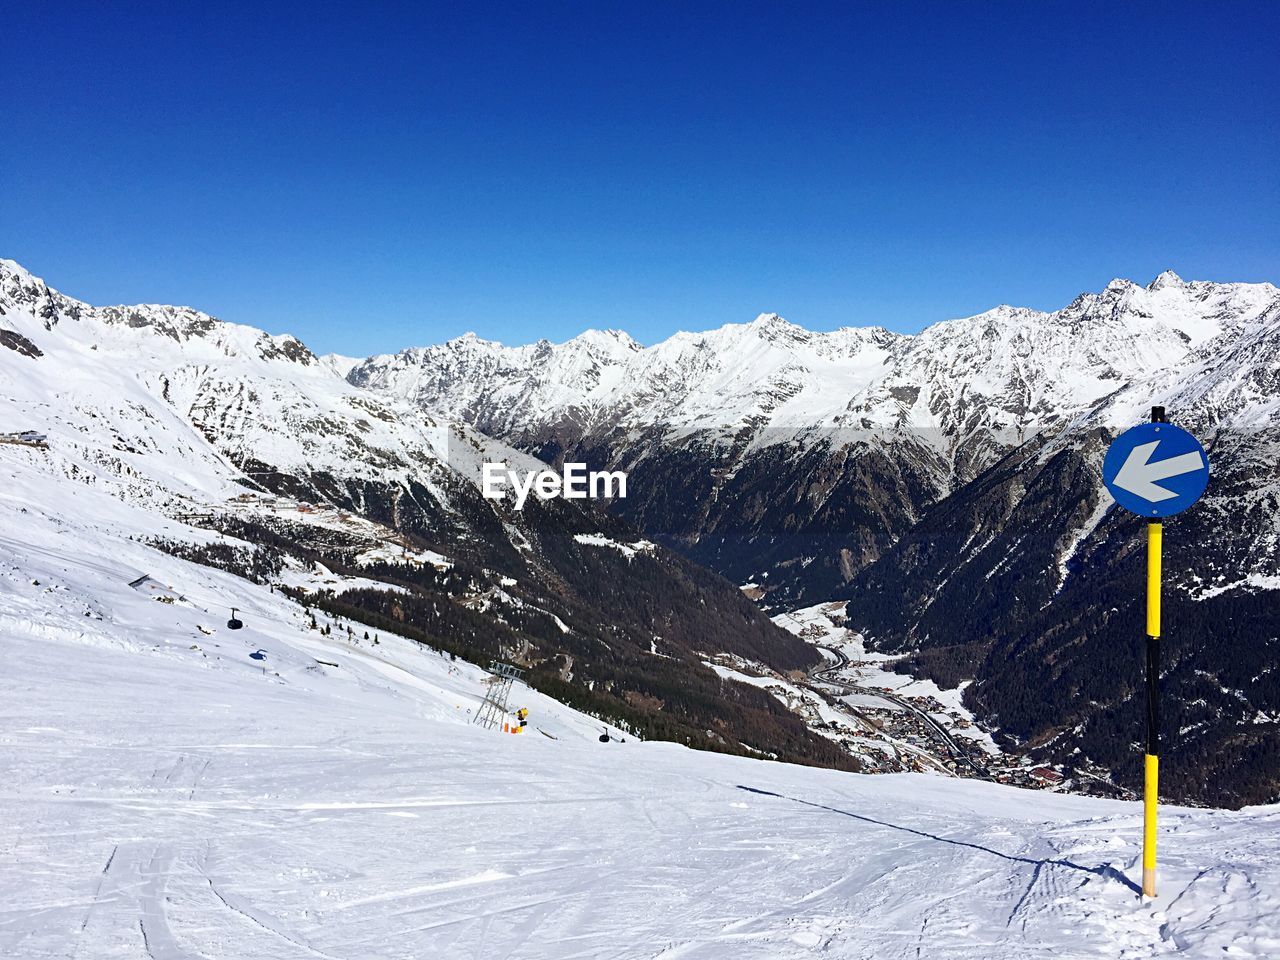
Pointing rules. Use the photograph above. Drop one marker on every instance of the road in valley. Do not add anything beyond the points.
(829, 674)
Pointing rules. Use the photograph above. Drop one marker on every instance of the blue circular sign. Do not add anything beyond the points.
(1155, 470)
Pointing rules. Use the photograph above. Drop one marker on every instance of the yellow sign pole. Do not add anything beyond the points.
(1131, 476)
(1150, 791)
(1151, 778)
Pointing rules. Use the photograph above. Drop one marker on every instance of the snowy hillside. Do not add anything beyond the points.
(250, 454)
(124, 386)
(178, 790)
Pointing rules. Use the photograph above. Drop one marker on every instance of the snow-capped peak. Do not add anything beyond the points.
(1166, 279)
(606, 339)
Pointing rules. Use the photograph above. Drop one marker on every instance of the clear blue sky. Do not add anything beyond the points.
(371, 181)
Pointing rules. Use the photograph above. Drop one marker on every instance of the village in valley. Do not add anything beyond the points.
(892, 722)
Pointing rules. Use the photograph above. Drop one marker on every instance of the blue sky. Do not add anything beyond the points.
(370, 181)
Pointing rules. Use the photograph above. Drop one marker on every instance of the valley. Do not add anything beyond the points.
(947, 487)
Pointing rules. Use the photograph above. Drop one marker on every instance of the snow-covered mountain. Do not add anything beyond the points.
(948, 484)
(122, 387)
(698, 417)
(252, 454)
(1009, 368)
(1025, 579)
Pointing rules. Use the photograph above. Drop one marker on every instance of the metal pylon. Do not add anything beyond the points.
(494, 707)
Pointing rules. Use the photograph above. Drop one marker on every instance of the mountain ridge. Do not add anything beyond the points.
(949, 400)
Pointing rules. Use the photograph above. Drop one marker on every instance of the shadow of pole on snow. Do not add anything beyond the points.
(1106, 871)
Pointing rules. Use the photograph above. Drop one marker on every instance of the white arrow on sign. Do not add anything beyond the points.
(1139, 476)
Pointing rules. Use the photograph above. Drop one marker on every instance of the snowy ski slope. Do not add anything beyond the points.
(167, 796)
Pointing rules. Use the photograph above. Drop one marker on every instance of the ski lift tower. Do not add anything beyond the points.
(494, 707)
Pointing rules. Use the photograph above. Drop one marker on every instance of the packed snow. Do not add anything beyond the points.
(176, 790)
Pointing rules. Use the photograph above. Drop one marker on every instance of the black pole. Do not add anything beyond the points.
(1153, 696)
